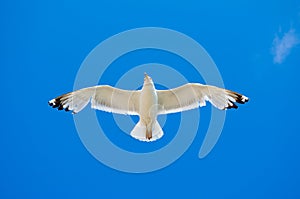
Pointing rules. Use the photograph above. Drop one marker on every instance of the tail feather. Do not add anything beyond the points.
(139, 132)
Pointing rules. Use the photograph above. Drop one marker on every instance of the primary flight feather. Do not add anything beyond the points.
(148, 102)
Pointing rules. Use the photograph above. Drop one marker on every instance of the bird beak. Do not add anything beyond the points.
(147, 78)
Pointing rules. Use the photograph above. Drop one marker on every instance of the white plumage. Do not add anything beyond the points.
(148, 102)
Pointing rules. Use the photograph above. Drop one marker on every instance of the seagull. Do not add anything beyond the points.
(148, 102)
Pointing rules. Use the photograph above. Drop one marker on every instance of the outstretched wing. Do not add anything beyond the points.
(105, 98)
(190, 96)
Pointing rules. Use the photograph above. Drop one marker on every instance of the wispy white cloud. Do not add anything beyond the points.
(282, 46)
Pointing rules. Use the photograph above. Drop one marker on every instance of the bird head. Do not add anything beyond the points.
(147, 79)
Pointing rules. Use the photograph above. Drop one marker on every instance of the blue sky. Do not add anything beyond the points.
(255, 46)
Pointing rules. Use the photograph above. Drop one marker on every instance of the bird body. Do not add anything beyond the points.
(148, 100)
(148, 103)
(148, 112)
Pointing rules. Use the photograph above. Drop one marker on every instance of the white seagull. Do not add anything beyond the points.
(148, 102)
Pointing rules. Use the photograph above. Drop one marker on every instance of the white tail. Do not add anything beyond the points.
(139, 132)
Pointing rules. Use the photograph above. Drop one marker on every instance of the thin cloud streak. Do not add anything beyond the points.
(281, 47)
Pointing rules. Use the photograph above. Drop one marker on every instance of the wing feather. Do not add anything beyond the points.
(190, 96)
(105, 98)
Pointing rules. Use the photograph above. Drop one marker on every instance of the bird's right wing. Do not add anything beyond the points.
(105, 98)
(190, 96)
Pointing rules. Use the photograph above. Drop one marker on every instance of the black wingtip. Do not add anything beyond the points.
(57, 103)
(238, 98)
(60, 107)
(232, 106)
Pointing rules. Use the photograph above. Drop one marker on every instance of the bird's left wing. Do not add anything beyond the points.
(190, 96)
(105, 98)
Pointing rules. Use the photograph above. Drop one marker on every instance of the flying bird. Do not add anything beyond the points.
(148, 102)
